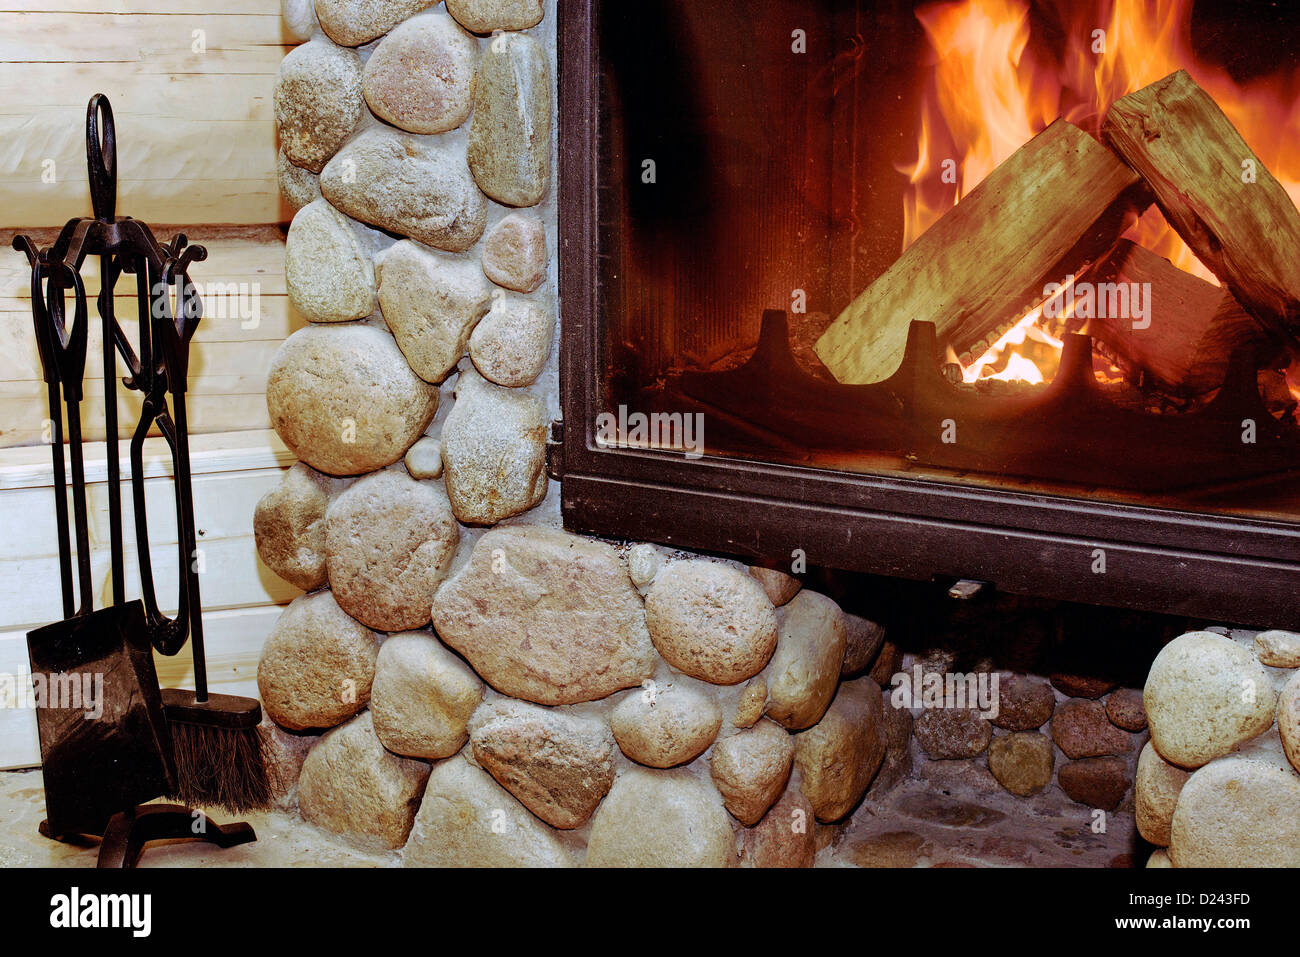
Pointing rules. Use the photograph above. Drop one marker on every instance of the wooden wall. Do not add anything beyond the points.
(195, 127)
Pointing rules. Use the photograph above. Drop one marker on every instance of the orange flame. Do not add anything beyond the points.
(991, 89)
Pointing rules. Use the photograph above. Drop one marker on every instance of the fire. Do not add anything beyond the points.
(992, 88)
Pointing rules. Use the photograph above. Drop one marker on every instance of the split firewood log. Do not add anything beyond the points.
(1058, 202)
(1216, 193)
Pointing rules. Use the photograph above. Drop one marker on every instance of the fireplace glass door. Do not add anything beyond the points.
(1032, 246)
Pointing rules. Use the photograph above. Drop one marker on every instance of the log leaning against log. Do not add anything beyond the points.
(1216, 193)
(1190, 328)
(1059, 201)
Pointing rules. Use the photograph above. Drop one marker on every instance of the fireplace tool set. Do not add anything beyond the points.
(111, 738)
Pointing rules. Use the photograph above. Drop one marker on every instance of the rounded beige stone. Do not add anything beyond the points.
(664, 726)
(421, 75)
(485, 16)
(558, 764)
(344, 399)
(318, 101)
(1157, 787)
(414, 186)
(493, 451)
(805, 669)
(509, 149)
(1205, 694)
(467, 819)
(838, 756)
(1022, 762)
(431, 303)
(390, 541)
(750, 769)
(1238, 812)
(354, 22)
(317, 665)
(1288, 719)
(423, 697)
(352, 786)
(298, 186)
(514, 252)
(511, 344)
(661, 819)
(329, 276)
(711, 621)
(1278, 649)
(289, 527)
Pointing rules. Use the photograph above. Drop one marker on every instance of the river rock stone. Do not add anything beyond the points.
(777, 585)
(352, 786)
(862, 641)
(1157, 786)
(546, 616)
(558, 765)
(514, 252)
(329, 276)
(1024, 703)
(419, 188)
(752, 702)
(711, 621)
(889, 661)
(948, 733)
(510, 133)
(1288, 719)
(423, 697)
(431, 303)
(468, 820)
(785, 837)
(493, 451)
(1125, 710)
(805, 668)
(1082, 730)
(512, 343)
(484, 16)
(354, 22)
(289, 527)
(661, 819)
(343, 398)
(423, 460)
(390, 541)
(1237, 812)
(298, 186)
(664, 726)
(1022, 762)
(1278, 649)
(1159, 858)
(643, 563)
(1082, 685)
(750, 769)
(838, 756)
(421, 76)
(1096, 782)
(299, 18)
(897, 729)
(318, 101)
(317, 665)
(1205, 695)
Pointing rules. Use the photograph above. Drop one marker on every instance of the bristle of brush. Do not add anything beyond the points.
(222, 767)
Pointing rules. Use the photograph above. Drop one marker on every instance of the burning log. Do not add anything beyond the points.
(1186, 329)
(1216, 193)
(1058, 201)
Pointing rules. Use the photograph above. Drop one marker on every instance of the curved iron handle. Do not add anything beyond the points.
(167, 635)
(68, 342)
(101, 157)
(178, 330)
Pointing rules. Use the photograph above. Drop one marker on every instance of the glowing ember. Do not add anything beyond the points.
(992, 89)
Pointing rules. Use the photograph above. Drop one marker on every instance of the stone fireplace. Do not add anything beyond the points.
(467, 680)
